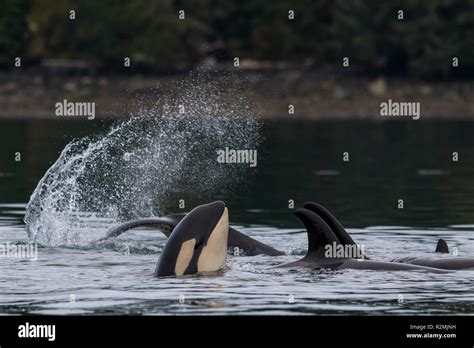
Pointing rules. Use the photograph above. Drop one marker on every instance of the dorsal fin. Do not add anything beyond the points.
(442, 247)
(339, 230)
(319, 233)
(331, 221)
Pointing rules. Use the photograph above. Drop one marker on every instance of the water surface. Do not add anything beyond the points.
(300, 161)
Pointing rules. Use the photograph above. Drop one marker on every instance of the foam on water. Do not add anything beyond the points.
(165, 153)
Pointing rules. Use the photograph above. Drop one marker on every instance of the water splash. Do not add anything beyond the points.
(166, 152)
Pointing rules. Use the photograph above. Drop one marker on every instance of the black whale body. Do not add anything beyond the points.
(334, 233)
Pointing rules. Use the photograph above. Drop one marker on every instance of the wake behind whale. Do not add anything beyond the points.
(165, 153)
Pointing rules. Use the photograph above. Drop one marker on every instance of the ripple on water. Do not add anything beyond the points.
(115, 277)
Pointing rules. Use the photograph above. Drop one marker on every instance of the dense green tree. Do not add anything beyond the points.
(437, 31)
(370, 32)
(13, 30)
(270, 34)
(106, 31)
(422, 43)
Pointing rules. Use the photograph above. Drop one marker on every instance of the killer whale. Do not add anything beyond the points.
(339, 231)
(198, 243)
(320, 235)
(167, 223)
(455, 263)
(343, 237)
(252, 247)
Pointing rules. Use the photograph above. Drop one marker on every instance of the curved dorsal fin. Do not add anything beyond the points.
(332, 222)
(442, 247)
(339, 230)
(319, 233)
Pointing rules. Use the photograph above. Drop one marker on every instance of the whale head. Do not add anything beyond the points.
(198, 243)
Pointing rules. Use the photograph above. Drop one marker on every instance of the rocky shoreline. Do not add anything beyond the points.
(314, 94)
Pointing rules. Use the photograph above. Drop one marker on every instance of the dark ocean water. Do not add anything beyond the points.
(298, 161)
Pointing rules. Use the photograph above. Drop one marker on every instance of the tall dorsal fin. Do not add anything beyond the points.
(339, 230)
(331, 221)
(442, 247)
(319, 233)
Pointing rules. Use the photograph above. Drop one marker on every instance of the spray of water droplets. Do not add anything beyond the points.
(165, 152)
